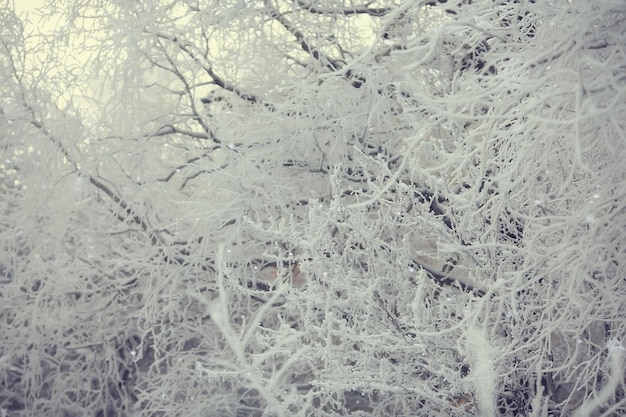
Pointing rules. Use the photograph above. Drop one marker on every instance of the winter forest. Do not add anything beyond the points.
(312, 208)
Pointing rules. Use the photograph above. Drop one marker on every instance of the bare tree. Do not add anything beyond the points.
(313, 208)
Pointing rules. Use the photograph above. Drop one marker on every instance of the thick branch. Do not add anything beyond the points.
(306, 46)
(217, 80)
(154, 238)
(170, 130)
(377, 12)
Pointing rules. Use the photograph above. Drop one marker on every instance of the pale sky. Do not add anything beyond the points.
(33, 23)
(22, 6)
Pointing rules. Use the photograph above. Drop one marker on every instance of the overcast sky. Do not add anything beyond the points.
(22, 6)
